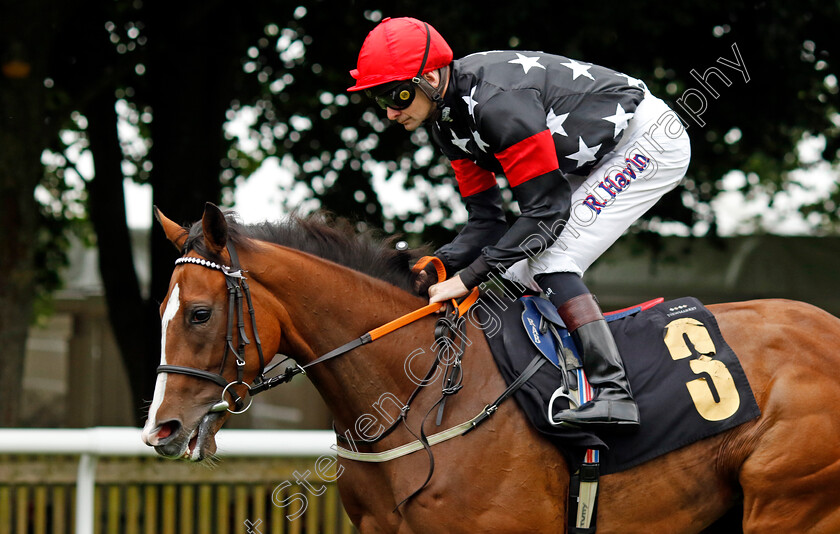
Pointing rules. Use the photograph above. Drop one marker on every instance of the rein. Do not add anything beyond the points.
(238, 290)
(449, 325)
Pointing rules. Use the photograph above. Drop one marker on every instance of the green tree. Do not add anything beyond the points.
(175, 67)
(27, 125)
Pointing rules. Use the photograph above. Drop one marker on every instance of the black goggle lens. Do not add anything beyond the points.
(399, 97)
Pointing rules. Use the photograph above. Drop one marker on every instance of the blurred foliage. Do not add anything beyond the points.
(286, 66)
(335, 139)
(284, 69)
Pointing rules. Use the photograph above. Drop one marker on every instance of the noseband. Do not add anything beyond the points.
(237, 288)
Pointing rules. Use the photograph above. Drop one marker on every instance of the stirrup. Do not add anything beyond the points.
(622, 413)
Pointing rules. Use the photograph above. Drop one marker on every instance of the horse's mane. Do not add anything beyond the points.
(326, 236)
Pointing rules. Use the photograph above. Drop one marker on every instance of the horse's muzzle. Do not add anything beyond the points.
(171, 440)
(167, 438)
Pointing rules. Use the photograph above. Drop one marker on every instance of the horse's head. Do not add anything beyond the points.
(211, 345)
(209, 352)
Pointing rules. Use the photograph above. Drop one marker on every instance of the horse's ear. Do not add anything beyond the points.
(176, 233)
(215, 228)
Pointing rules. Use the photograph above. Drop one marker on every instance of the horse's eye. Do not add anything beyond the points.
(200, 316)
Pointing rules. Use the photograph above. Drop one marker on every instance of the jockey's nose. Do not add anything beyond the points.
(393, 113)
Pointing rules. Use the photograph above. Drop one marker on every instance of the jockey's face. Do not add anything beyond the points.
(414, 115)
(421, 108)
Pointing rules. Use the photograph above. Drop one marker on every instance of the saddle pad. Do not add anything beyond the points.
(686, 379)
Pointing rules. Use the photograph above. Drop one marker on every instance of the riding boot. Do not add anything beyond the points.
(613, 407)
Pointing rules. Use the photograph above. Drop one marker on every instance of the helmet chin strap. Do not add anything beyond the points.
(432, 92)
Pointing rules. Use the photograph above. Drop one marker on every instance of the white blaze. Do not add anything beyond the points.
(172, 307)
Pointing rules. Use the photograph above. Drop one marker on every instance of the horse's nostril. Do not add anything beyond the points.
(168, 431)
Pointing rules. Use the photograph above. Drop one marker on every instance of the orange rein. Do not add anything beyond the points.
(409, 318)
(380, 331)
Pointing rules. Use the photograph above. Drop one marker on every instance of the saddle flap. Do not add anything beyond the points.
(533, 319)
(545, 308)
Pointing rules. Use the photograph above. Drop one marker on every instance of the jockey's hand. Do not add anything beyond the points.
(448, 289)
(425, 279)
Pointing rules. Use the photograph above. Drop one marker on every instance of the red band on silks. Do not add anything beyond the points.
(471, 178)
(529, 158)
(434, 260)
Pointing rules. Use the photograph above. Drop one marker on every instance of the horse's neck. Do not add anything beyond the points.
(325, 306)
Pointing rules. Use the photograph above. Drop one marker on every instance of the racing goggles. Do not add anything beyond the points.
(397, 96)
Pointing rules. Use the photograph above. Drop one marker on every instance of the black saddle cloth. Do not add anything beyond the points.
(686, 389)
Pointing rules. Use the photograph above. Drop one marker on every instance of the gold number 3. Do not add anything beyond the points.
(700, 390)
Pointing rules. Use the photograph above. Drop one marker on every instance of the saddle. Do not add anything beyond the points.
(686, 380)
(549, 335)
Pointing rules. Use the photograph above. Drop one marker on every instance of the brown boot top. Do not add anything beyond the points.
(579, 311)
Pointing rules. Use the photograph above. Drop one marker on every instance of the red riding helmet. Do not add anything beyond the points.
(399, 49)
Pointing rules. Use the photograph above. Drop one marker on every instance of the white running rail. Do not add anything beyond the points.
(90, 443)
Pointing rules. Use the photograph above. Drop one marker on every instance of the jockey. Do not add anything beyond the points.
(585, 150)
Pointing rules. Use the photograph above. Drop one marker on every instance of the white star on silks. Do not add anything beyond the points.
(480, 142)
(578, 69)
(631, 80)
(485, 53)
(620, 119)
(471, 104)
(555, 122)
(585, 154)
(527, 62)
(460, 143)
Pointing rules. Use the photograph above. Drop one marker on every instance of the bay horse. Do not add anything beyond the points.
(314, 288)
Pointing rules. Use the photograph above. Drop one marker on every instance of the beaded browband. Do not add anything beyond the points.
(207, 263)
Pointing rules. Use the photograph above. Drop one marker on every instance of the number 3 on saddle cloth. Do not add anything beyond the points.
(685, 378)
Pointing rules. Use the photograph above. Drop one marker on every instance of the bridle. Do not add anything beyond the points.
(237, 288)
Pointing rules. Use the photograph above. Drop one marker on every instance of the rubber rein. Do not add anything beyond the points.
(238, 291)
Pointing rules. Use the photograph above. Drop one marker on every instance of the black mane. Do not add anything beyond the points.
(325, 236)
